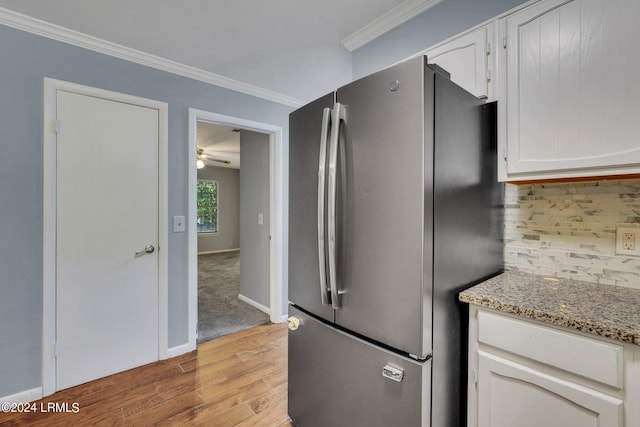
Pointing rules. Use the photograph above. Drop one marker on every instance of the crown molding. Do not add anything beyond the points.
(387, 22)
(55, 32)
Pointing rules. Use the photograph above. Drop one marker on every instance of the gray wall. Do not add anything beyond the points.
(254, 199)
(228, 210)
(26, 60)
(444, 20)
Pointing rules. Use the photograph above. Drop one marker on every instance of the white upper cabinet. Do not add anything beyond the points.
(467, 58)
(571, 90)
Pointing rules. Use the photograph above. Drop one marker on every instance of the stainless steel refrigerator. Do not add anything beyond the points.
(394, 208)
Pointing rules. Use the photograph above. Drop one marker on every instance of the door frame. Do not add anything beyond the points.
(276, 209)
(49, 315)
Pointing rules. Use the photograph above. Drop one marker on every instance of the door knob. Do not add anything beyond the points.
(149, 249)
(293, 323)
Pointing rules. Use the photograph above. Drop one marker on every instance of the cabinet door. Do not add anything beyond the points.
(510, 394)
(573, 100)
(465, 58)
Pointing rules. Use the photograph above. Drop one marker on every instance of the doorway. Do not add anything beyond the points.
(104, 273)
(272, 220)
(233, 229)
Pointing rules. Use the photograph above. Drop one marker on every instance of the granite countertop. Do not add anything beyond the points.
(605, 310)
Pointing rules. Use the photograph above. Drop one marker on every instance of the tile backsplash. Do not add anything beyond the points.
(569, 230)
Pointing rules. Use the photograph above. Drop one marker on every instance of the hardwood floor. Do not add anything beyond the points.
(235, 380)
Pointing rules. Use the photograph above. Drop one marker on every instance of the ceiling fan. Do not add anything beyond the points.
(202, 157)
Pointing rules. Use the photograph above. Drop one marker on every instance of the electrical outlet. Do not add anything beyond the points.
(627, 241)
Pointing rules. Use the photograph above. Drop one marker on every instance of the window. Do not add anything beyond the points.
(207, 206)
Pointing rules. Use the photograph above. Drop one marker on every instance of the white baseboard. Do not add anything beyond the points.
(218, 252)
(24, 396)
(254, 304)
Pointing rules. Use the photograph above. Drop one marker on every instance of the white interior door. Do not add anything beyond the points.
(106, 211)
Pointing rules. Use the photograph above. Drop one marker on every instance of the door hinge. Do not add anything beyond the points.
(488, 75)
(475, 376)
(54, 350)
(504, 153)
(504, 42)
(55, 126)
(488, 49)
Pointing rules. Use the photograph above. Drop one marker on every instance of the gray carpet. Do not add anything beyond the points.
(220, 312)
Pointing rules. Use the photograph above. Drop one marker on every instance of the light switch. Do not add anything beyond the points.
(260, 219)
(179, 225)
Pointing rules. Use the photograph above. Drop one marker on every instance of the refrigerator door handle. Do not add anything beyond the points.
(336, 116)
(324, 293)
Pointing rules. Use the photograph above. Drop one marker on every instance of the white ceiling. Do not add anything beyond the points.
(219, 142)
(298, 48)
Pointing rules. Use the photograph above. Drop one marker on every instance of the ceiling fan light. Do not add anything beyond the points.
(199, 164)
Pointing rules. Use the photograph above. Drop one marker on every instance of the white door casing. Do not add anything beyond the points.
(277, 248)
(104, 200)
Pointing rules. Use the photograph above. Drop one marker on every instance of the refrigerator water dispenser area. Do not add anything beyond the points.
(393, 373)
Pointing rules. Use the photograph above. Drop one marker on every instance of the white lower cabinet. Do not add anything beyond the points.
(511, 394)
(528, 374)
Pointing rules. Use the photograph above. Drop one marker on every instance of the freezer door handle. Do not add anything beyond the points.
(337, 115)
(324, 293)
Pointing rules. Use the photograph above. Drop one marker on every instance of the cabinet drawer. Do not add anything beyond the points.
(593, 359)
